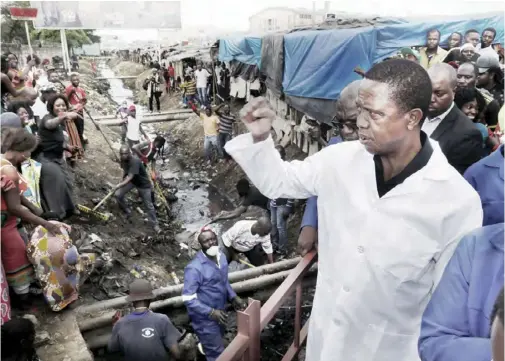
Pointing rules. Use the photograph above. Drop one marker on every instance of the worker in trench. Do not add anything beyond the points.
(205, 293)
(251, 238)
(146, 335)
(135, 176)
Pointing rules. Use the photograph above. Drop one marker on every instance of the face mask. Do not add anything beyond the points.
(212, 251)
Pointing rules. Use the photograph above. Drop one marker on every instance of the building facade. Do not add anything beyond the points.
(283, 18)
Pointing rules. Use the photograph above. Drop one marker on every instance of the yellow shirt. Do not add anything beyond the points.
(210, 124)
(438, 57)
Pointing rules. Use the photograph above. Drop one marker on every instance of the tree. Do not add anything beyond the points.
(13, 31)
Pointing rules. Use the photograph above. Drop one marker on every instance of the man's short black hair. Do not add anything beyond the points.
(17, 336)
(243, 187)
(434, 31)
(410, 84)
(498, 308)
(475, 67)
(493, 30)
(471, 31)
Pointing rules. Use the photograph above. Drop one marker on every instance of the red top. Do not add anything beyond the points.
(171, 71)
(73, 98)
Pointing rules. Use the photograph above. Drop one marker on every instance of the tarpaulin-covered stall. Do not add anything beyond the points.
(319, 64)
(244, 49)
(391, 38)
(272, 62)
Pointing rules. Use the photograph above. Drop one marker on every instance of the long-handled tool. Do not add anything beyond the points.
(158, 190)
(95, 124)
(94, 211)
(246, 263)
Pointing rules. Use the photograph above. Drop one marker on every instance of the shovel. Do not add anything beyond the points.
(94, 211)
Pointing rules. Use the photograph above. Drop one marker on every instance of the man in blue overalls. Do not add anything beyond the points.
(205, 293)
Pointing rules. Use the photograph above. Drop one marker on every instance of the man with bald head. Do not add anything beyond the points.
(391, 211)
(459, 139)
(250, 238)
(346, 113)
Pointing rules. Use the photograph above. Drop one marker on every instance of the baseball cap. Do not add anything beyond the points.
(408, 51)
(486, 61)
(132, 107)
(47, 88)
(140, 290)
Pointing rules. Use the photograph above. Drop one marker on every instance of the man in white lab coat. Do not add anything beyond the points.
(391, 211)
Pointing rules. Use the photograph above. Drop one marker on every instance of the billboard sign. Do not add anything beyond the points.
(107, 14)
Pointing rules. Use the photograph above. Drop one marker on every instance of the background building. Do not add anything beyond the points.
(284, 18)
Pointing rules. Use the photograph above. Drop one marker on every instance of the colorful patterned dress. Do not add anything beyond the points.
(18, 269)
(58, 266)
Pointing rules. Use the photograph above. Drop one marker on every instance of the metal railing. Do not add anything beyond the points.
(250, 322)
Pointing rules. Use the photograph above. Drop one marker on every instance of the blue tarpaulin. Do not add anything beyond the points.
(317, 63)
(244, 49)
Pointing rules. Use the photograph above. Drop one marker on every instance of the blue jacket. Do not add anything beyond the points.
(486, 176)
(310, 214)
(456, 323)
(206, 287)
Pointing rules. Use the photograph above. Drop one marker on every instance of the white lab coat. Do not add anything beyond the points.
(379, 258)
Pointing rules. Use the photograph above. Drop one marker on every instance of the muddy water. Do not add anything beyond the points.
(198, 201)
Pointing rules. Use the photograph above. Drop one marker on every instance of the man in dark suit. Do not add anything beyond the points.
(458, 137)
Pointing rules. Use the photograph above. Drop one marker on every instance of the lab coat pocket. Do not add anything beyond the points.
(397, 248)
(387, 346)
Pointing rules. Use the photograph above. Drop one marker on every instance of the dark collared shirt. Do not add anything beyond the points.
(419, 161)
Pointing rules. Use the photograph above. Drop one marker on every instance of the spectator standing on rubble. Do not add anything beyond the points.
(459, 139)
(134, 127)
(154, 86)
(188, 91)
(369, 300)
(226, 121)
(135, 176)
(77, 98)
(345, 122)
(205, 294)
(143, 334)
(201, 76)
(432, 53)
(251, 238)
(456, 322)
(210, 124)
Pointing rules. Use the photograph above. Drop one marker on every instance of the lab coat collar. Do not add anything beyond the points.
(495, 160)
(437, 169)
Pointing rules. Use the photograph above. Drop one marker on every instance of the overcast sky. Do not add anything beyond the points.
(234, 15)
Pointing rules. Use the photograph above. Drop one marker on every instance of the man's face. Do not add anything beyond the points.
(345, 119)
(53, 77)
(199, 67)
(226, 109)
(13, 61)
(124, 154)
(442, 95)
(432, 40)
(483, 79)
(497, 340)
(207, 239)
(466, 76)
(75, 81)
(208, 112)
(487, 38)
(454, 40)
(382, 126)
(473, 38)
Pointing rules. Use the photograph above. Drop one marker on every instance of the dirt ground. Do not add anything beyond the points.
(127, 247)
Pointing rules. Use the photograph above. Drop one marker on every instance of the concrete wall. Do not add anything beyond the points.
(43, 52)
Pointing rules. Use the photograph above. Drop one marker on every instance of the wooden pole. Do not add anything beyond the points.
(28, 38)
(166, 118)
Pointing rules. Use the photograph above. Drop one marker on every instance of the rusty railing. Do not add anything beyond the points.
(246, 345)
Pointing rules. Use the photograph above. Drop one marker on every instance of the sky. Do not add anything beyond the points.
(234, 15)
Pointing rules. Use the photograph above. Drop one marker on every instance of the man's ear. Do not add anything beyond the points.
(414, 118)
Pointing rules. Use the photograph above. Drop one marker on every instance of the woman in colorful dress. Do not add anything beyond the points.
(5, 309)
(59, 267)
(17, 145)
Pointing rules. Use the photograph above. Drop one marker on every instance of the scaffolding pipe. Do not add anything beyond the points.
(174, 111)
(95, 342)
(170, 291)
(158, 119)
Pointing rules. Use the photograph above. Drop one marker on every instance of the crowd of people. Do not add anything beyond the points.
(405, 207)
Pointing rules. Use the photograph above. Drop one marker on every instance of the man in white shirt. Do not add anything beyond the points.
(252, 238)
(201, 76)
(391, 210)
(134, 128)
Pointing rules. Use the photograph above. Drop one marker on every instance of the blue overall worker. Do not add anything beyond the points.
(205, 293)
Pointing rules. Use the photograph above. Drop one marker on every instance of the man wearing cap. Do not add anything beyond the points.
(490, 76)
(410, 54)
(143, 334)
(133, 127)
(206, 292)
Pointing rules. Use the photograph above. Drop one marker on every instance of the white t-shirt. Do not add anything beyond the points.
(39, 108)
(133, 132)
(240, 238)
(201, 78)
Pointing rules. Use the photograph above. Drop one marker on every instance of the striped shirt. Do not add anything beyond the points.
(190, 87)
(225, 123)
(281, 202)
